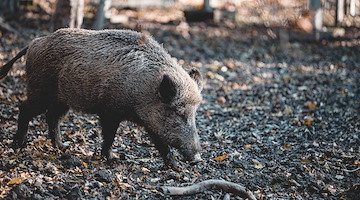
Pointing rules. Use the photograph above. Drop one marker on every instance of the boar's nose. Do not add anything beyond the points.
(197, 158)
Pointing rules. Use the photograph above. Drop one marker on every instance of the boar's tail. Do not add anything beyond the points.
(6, 68)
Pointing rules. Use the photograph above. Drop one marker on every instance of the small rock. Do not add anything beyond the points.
(75, 193)
(96, 184)
(71, 161)
(39, 187)
(37, 197)
(172, 175)
(21, 191)
(58, 191)
(104, 176)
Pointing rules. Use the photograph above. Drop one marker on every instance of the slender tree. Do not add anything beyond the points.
(9, 7)
(316, 7)
(103, 7)
(340, 11)
(68, 13)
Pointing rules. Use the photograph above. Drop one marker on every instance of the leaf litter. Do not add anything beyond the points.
(282, 125)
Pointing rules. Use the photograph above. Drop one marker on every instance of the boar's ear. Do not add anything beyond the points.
(167, 89)
(196, 75)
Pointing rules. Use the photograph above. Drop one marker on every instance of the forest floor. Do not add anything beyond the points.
(281, 120)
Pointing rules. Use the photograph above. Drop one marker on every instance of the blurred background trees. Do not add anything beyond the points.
(68, 13)
(9, 7)
(319, 18)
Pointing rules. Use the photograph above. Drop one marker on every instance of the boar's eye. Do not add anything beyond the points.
(167, 89)
(174, 109)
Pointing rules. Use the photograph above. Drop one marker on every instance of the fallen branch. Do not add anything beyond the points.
(209, 185)
(351, 171)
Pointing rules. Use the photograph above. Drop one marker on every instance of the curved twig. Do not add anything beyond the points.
(209, 185)
(351, 170)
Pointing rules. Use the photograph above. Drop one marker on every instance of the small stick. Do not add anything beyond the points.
(350, 171)
(208, 185)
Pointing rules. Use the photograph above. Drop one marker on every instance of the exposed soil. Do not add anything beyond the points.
(283, 121)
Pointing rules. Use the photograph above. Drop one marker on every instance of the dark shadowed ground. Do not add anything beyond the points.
(282, 121)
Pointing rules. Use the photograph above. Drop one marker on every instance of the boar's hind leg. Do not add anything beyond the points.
(109, 127)
(28, 109)
(53, 117)
(164, 151)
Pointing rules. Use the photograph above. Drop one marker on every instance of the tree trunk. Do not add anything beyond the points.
(68, 13)
(353, 8)
(103, 7)
(9, 7)
(206, 5)
(77, 13)
(316, 7)
(340, 11)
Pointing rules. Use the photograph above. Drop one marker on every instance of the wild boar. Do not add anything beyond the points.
(118, 75)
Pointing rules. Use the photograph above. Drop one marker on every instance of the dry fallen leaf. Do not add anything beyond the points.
(15, 180)
(307, 123)
(3, 191)
(84, 163)
(285, 147)
(235, 86)
(308, 169)
(221, 101)
(287, 78)
(342, 92)
(221, 158)
(294, 182)
(257, 164)
(145, 169)
(208, 114)
(25, 175)
(288, 111)
(330, 188)
(239, 170)
(310, 105)
(155, 180)
(247, 146)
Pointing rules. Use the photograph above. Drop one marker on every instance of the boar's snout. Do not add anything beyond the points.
(197, 158)
(194, 159)
(191, 151)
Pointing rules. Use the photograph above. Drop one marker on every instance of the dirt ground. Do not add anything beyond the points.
(281, 120)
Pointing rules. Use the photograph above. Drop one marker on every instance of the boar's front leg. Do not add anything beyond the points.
(53, 117)
(109, 126)
(164, 151)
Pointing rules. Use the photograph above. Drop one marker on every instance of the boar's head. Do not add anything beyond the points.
(172, 117)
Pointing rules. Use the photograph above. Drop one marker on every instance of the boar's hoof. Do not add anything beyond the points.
(110, 158)
(17, 144)
(60, 146)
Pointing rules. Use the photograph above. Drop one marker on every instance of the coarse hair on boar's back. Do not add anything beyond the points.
(118, 75)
